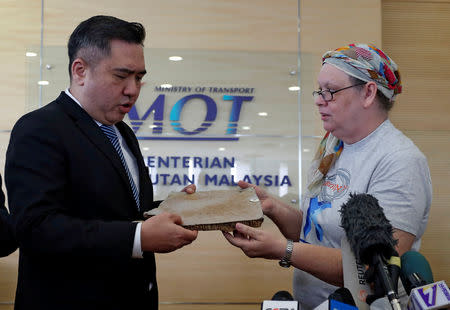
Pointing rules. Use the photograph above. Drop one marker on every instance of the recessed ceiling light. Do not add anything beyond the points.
(221, 149)
(294, 88)
(30, 54)
(246, 127)
(43, 82)
(262, 114)
(306, 150)
(152, 126)
(175, 58)
(166, 85)
(145, 148)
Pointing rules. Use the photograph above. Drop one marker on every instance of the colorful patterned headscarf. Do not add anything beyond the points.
(367, 63)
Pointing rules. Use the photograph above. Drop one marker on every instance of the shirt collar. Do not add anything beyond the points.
(75, 99)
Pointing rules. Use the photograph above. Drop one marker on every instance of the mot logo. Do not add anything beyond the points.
(175, 122)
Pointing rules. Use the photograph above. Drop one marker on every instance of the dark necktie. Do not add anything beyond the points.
(112, 136)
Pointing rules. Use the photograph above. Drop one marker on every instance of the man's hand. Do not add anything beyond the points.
(163, 233)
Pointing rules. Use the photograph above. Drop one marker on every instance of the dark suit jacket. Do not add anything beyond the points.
(73, 211)
(8, 243)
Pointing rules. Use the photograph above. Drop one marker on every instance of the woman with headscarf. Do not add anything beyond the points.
(361, 152)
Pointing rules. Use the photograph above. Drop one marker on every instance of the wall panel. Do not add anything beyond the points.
(417, 36)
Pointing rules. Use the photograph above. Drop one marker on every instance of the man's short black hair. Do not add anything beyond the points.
(92, 38)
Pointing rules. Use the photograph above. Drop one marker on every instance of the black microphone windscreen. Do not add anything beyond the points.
(343, 295)
(367, 228)
(282, 295)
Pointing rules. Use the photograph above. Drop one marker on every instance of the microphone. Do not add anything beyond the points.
(369, 234)
(282, 295)
(281, 300)
(353, 273)
(415, 271)
(417, 278)
(340, 299)
(430, 296)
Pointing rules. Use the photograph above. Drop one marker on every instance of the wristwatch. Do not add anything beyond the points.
(286, 260)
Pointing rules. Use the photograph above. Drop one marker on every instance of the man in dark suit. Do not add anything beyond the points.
(8, 243)
(77, 184)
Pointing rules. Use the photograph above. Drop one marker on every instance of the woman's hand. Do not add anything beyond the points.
(190, 189)
(256, 243)
(267, 202)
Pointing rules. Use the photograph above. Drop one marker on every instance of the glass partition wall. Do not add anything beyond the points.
(209, 117)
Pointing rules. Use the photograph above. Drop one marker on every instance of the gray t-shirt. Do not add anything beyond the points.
(385, 164)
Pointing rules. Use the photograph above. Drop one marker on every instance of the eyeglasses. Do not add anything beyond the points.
(327, 94)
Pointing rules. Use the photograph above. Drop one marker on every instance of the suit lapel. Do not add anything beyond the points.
(92, 132)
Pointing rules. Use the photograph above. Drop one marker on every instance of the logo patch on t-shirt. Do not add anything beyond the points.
(335, 186)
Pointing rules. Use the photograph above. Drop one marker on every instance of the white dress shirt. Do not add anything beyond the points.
(132, 166)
